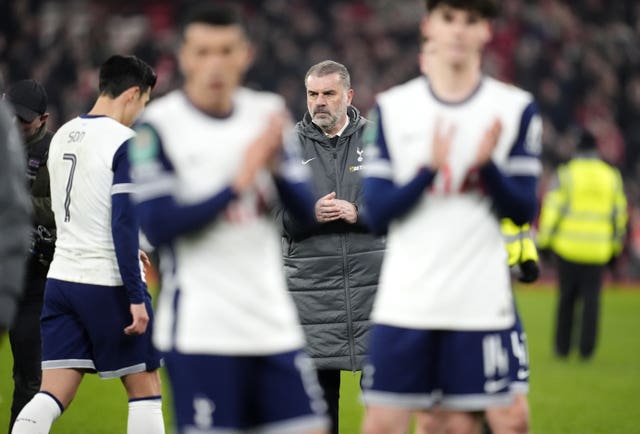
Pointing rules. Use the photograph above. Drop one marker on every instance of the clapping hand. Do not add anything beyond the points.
(441, 145)
(488, 143)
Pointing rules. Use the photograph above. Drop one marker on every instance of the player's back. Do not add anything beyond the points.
(80, 166)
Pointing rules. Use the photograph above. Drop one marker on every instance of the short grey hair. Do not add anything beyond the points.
(327, 67)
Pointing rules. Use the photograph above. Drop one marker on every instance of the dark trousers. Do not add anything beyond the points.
(578, 283)
(24, 337)
(329, 380)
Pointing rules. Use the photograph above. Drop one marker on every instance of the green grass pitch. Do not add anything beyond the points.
(571, 396)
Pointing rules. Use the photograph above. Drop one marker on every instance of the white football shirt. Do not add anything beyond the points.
(223, 286)
(445, 266)
(80, 167)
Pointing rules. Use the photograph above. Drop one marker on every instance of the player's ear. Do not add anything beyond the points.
(250, 55)
(487, 32)
(424, 26)
(133, 93)
(350, 94)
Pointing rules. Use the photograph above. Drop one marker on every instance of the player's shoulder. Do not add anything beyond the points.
(501, 91)
(110, 129)
(259, 99)
(404, 92)
(98, 123)
(95, 127)
(67, 126)
(103, 134)
(166, 107)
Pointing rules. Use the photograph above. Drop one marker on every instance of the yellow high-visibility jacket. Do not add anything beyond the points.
(519, 242)
(584, 219)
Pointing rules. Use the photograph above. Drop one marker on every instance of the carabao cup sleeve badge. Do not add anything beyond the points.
(145, 146)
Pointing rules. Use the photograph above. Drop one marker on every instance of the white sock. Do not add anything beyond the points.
(38, 415)
(145, 416)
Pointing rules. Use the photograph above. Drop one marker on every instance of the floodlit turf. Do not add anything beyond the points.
(569, 396)
(573, 396)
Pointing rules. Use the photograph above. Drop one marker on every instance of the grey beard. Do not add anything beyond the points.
(325, 127)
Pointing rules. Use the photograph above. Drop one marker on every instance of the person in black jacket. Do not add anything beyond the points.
(332, 268)
(29, 101)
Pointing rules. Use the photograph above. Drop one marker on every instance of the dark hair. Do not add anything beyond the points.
(586, 141)
(486, 8)
(327, 67)
(119, 73)
(213, 15)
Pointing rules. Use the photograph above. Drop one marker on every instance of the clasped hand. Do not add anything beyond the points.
(329, 209)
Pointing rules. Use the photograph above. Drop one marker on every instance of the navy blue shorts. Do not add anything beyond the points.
(227, 394)
(83, 327)
(451, 369)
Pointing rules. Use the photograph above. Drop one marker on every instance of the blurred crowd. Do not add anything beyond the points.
(581, 59)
